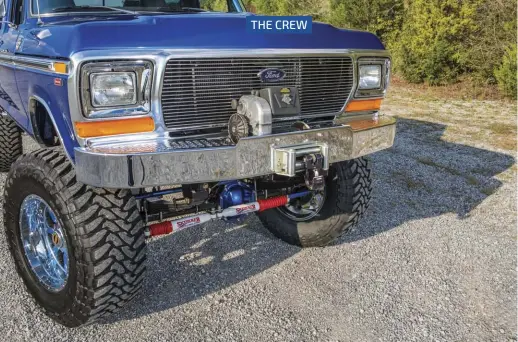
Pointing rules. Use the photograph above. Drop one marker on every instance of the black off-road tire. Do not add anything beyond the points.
(348, 192)
(103, 230)
(10, 142)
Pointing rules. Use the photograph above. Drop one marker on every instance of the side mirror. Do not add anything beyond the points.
(2, 8)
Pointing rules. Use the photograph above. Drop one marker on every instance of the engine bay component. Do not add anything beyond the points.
(258, 112)
(282, 100)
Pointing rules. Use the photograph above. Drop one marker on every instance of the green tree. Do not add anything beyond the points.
(433, 41)
(382, 17)
(214, 5)
(507, 71)
(431, 45)
(495, 32)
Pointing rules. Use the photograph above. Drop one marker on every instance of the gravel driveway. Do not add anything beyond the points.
(434, 260)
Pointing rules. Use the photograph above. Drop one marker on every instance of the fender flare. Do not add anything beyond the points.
(66, 139)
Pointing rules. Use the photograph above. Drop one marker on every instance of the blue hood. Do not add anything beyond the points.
(66, 36)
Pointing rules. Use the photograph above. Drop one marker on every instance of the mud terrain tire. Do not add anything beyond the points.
(348, 192)
(103, 231)
(10, 142)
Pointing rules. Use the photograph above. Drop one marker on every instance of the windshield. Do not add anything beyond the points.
(125, 6)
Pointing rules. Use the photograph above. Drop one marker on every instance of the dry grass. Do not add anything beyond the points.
(467, 120)
(464, 89)
(502, 128)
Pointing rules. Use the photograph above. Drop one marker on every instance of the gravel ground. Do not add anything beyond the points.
(434, 260)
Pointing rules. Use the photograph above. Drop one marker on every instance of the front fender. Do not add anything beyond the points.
(55, 101)
(51, 91)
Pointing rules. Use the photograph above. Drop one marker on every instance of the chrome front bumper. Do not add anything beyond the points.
(139, 164)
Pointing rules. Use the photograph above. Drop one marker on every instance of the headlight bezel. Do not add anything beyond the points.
(378, 92)
(144, 79)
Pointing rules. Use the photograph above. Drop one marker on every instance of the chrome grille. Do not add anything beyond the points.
(197, 93)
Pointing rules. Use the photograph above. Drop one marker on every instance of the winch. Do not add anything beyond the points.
(255, 115)
(255, 112)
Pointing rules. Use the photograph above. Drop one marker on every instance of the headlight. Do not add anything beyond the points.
(113, 89)
(373, 77)
(370, 77)
(116, 88)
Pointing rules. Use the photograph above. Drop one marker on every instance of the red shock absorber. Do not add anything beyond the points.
(273, 202)
(161, 228)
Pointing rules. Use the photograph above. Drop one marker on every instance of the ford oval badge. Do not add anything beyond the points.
(271, 75)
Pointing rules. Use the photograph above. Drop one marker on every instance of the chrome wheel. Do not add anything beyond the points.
(44, 243)
(305, 208)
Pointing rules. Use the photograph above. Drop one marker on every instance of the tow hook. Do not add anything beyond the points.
(315, 173)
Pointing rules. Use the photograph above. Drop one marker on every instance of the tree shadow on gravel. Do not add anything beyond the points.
(422, 176)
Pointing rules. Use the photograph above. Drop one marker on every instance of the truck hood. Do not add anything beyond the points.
(64, 36)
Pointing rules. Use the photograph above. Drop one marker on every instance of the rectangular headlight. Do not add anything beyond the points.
(113, 89)
(373, 77)
(370, 77)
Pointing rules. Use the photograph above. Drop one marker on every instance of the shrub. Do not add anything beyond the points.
(430, 46)
(495, 31)
(506, 73)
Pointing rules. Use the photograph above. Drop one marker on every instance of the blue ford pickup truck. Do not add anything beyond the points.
(154, 116)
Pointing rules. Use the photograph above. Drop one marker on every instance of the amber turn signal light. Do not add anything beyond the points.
(60, 68)
(363, 105)
(90, 129)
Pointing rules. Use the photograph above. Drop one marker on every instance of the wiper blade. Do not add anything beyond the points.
(89, 8)
(173, 9)
(193, 9)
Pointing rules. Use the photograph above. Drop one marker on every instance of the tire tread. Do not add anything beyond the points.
(351, 183)
(10, 142)
(106, 231)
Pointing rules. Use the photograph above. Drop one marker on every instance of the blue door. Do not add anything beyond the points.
(9, 34)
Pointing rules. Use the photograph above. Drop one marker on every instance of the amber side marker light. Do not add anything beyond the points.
(363, 105)
(60, 68)
(90, 129)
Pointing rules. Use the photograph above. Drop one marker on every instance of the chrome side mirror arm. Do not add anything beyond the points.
(9, 23)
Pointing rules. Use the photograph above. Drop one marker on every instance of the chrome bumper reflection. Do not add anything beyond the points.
(139, 164)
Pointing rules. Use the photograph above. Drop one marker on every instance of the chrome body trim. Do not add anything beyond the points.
(159, 58)
(31, 63)
(137, 164)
